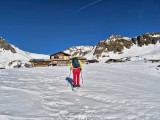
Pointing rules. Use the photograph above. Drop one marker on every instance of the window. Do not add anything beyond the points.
(56, 57)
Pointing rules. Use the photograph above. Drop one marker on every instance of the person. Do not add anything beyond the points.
(76, 67)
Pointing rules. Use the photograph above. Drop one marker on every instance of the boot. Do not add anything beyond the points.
(74, 85)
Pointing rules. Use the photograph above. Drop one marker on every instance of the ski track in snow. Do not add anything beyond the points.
(126, 91)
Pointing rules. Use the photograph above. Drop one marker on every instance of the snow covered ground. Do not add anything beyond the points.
(121, 91)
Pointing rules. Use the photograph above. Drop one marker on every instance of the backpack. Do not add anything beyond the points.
(75, 63)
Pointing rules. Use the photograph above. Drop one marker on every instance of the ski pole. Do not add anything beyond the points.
(82, 80)
(69, 77)
(70, 74)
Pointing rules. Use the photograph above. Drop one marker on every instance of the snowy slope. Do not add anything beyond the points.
(6, 57)
(126, 91)
(146, 52)
(90, 55)
(30, 55)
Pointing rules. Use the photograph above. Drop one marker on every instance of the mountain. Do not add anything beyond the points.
(117, 47)
(145, 46)
(142, 47)
(79, 50)
(11, 56)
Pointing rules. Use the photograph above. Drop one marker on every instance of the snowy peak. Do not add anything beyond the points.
(79, 50)
(117, 37)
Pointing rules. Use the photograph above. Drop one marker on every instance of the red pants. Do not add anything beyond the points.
(76, 76)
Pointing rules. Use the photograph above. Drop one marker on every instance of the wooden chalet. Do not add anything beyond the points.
(63, 59)
(40, 62)
(60, 59)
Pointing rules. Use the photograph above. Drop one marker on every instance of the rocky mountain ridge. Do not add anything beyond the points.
(117, 43)
(117, 46)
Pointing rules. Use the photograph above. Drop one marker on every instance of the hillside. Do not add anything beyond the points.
(10, 54)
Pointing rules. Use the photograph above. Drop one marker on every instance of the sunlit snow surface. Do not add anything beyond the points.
(126, 91)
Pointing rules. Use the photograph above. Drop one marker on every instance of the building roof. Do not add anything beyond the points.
(60, 52)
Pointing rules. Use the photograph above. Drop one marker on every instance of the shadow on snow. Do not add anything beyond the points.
(69, 80)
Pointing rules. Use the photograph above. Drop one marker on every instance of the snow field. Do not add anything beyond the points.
(126, 91)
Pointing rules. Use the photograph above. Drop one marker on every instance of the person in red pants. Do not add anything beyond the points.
(76, 67)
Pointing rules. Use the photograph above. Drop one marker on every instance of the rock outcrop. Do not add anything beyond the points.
(4, 45)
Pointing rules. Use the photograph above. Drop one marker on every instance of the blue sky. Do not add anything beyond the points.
(49, 26)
